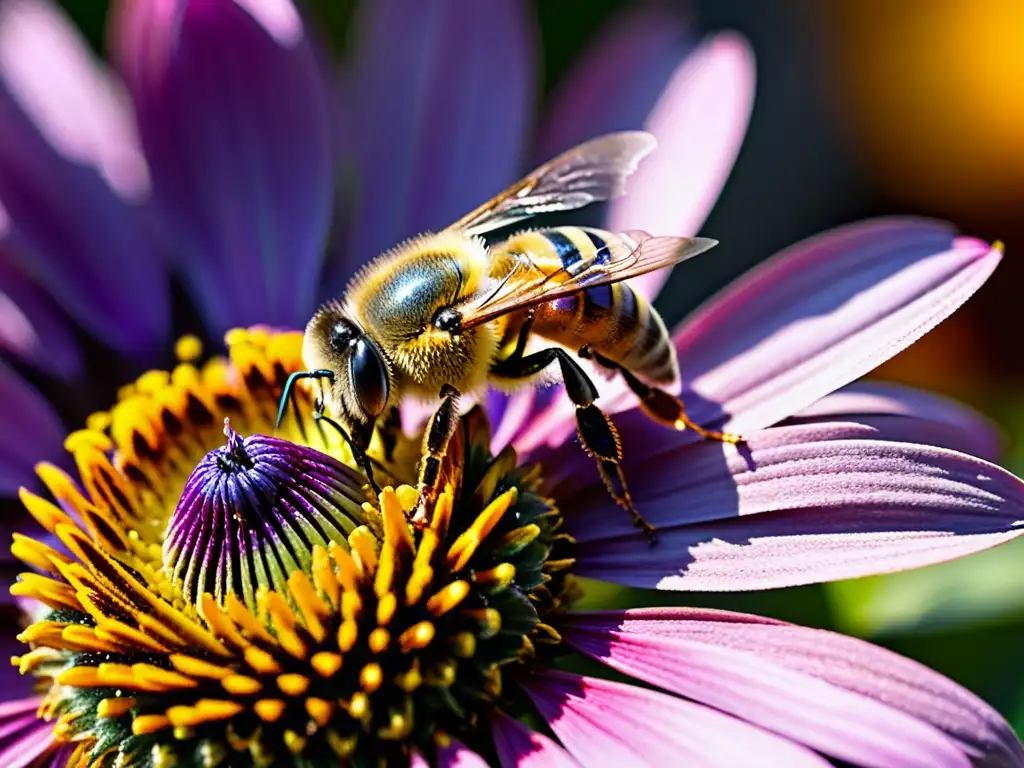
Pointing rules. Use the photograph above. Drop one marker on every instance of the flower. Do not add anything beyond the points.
(208, 595)
(185, 165)
(218, 595)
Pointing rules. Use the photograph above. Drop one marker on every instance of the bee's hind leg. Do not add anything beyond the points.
(658, 404)
(594, 428)
(435, 446)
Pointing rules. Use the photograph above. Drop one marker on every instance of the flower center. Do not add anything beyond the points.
(250, 603)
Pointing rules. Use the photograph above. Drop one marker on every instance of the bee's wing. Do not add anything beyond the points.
(526, 286)
(595, 170)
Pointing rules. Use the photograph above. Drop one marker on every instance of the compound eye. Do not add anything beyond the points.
(448, 319)
(369, 377)
(341, 336)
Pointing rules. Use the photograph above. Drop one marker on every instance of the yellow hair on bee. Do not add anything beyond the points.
(395, 299)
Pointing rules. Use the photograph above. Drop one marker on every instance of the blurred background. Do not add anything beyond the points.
(863, 108)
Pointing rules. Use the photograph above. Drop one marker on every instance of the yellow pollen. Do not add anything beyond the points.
(188, 349)
(293, 684)
(294, 742)
(378, 640)
(417, 636)
(115, 707)
(320, 710)
(326, 663)
(241, 685)
(386, 609)
(462, 551)
(371, 677)
(498, 577)
(359, 705)
(448, 597)
(998, 246)
(189, 665)
(261, 661)
(269, 710)
(149, 724)
(348, 633)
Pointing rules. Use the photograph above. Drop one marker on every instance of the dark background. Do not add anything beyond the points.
(863, 108)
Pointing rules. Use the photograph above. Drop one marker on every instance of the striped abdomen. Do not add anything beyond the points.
(612, 319)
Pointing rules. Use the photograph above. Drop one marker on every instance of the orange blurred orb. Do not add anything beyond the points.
(933, 93)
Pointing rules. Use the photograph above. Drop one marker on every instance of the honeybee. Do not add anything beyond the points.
(445, 314)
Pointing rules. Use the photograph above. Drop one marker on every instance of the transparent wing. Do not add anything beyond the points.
(593, 171)
(526, 285)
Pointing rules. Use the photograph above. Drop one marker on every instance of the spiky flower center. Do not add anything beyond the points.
(229, 600)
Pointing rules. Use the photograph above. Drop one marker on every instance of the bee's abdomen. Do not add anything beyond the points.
(612, 319)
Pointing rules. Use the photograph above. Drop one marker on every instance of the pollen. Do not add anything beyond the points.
(224, 594)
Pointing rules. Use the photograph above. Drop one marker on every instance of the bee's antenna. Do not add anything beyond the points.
(289, 392)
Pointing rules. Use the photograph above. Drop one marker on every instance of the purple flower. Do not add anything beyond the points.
(253, 601)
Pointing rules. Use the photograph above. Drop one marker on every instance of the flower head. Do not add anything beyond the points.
(216, 597)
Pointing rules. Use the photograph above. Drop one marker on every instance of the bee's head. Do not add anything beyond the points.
(362, 374)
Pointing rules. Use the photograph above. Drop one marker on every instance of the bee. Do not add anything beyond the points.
(444, 314)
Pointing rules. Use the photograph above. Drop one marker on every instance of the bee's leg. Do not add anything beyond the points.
(595, 429)
(390, 429)
(658, 404)
(357, 442)
(435, 445)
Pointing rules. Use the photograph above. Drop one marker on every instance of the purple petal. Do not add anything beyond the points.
(850, 726)
(23, 736)
(606, 723)
(31, 432)
(843, 663)
(519, 747)
(443, 91)
(816, 317)
(943, 422)
(32, 327)
(822, 314)
(73, 180)
(234, 117)
(810, 503)
(457, 755)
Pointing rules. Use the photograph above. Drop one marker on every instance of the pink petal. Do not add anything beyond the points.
(822, 314)
(700, 121)
(73, 180)
(843, 663)
(850, 726)
(457, 755)
(443, 94)
(235, 120)
(416, 760)
(519, 747)
(943, 422)
(23, 736)
(606, 723)
(808, 503)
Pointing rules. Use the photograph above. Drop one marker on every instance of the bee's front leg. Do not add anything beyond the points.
(435, 446)
(358, 442)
